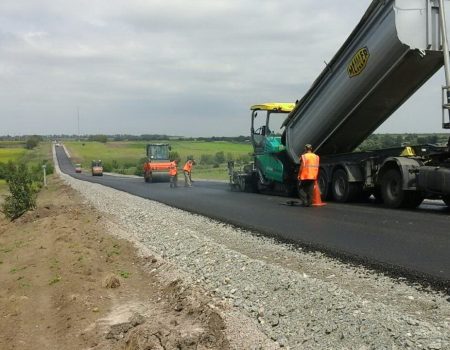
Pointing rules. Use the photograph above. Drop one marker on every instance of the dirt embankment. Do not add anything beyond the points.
(68, 284)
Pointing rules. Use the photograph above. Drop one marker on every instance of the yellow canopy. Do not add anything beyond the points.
(274, 106)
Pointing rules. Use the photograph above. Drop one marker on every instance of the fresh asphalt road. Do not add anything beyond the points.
(411, 243)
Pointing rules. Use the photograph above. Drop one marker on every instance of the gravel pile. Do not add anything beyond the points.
(300, 300)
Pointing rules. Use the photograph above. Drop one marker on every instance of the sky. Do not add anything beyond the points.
(187, 68)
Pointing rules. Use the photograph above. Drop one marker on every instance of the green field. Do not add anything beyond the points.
(16, 152)
(11, 154)
(126, 155)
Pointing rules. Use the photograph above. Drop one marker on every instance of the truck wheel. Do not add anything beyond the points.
(446, 200)
(343, 190)
(392, 189)
(393, 194)
(322, 181)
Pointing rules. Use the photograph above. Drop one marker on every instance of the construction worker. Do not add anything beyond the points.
(307, 175)
(173, 173)
(187, 169)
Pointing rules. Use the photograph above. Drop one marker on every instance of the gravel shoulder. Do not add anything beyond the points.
(299, 300)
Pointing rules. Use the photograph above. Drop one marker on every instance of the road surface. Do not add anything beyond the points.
(415, 244)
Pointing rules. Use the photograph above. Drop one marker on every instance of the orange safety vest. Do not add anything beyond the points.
(173, 169)
(188, 166)
(309, 168)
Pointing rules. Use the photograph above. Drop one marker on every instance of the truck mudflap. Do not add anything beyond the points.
(434, 179)
(408, 168)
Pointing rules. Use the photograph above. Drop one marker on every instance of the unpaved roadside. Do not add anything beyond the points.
(58, 265)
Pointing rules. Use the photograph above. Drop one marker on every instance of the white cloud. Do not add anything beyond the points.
(149, 66)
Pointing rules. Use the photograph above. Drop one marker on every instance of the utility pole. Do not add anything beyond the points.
(78, 114)
(44, 169)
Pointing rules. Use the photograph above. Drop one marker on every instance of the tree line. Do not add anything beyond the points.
(380, 141)
(374, 141)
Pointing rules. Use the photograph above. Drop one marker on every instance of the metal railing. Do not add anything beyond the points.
(445, 107)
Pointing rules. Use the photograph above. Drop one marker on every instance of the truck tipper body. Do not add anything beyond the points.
(395, 48)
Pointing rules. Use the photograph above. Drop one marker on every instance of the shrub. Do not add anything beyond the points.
(23, 194)
(206, 159)
(32, 142)
(244, 158)
(173, 155)
(107, 167)
(140, 167)
(219, 157)
(3, 171)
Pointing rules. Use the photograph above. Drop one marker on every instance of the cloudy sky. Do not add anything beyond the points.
(177, 67)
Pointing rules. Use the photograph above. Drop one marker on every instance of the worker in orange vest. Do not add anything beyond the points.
(173, 173)
(307, 175)
(187, 169)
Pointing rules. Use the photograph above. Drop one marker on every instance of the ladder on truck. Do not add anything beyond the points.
(446, 88)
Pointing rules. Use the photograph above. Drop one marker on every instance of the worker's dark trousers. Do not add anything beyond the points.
(173, 180)
(187, 179)
(306, 192)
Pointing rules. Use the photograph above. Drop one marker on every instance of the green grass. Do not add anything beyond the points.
(3, 186)
(54, 280)
(37, 155)
(124, 274)
(31, 157)
(12, 144)
(11, 154)
(127, 154)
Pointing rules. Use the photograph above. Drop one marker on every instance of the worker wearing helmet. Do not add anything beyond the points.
(173, 173)
(187, 169)
(307, 175)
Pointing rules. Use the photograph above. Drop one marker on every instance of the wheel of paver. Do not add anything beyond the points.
(242, 184)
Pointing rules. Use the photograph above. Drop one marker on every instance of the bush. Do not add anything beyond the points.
(49, 169)
(107, 167)
(3, 171)
(32, 142)
(219, 157)
(173, 155)
(37, 173)
(23, 195)
(206, 159)
(140, 167)
(244, 158)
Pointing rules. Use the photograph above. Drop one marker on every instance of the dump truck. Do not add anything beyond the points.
(97, 168)
(395, 48)
(158, 162)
